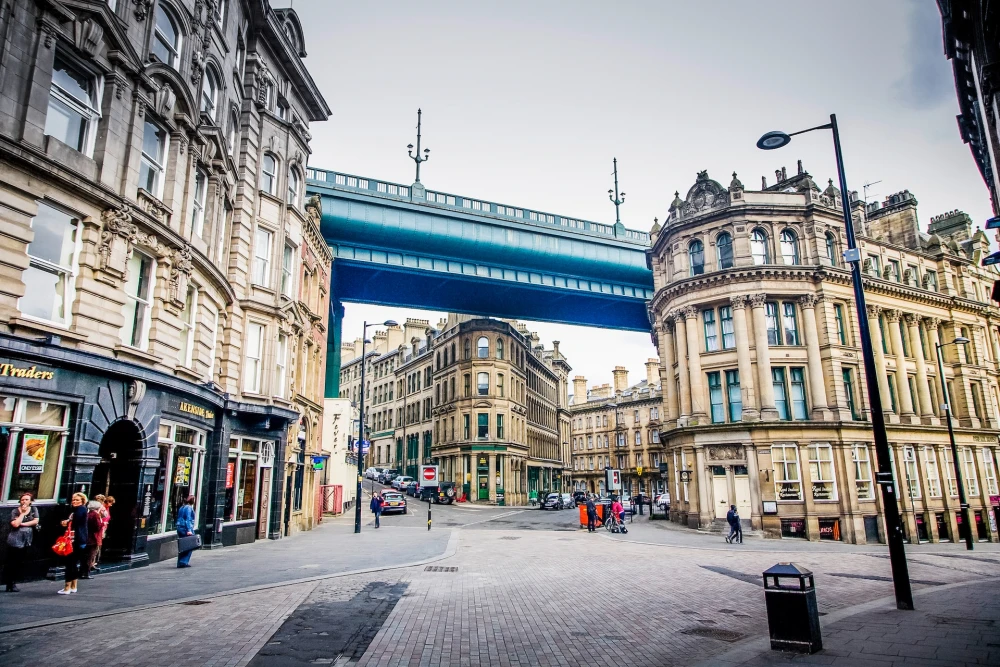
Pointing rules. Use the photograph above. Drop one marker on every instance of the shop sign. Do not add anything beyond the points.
(196, 410)
(182, 476)
(230, 474)
(770, 507)
(822, 491)
(995, 501)
(25, 373)
(789, 492)
(33, 454)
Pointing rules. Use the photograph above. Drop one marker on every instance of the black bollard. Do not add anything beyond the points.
(428, 513)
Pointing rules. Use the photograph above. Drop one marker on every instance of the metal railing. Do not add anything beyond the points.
(399, 192)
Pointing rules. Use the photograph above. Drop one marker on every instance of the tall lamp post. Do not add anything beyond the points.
(362, 432)
(897, 555)
(963, 502)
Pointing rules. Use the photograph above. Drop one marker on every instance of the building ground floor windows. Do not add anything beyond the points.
(75, 421)
(823, 488)
(492, 473)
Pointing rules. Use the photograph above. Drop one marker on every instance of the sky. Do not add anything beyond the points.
(527, 102)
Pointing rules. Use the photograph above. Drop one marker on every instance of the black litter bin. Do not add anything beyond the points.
(792, 616)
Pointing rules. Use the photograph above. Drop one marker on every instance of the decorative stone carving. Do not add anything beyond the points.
(154, 207)
(893, 315)
(887, 273)
(808, 301)
(118, 236)
(677, 316)
(88, 36)
(758, 300)
(136, 391)
(738, 301)
(933, 322)
(49, 35)
(120, 82)
(180, 274)
(163, 100)
(727, 453)
(925, 282)
(689, 312)
(314, 208)
(141, 9)
(911, 319)
(873, 310)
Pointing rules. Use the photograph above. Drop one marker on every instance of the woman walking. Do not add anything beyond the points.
(76, 561)
(22, 522)
(95, 535)
(185, 528)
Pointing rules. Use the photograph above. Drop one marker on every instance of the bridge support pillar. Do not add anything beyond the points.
(333, 340)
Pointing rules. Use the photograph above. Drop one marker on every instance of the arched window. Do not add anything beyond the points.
(466, 349)
(724, 250)
(789, 247)
(268, 169)
(483, 347)
(831, 249)
(758, 247)
(166, 37)
(499, 348)
(293, 187)
(210, 93)
(696, 255)
(234, 129)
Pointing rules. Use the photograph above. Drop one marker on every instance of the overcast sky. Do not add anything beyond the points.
(526, 103)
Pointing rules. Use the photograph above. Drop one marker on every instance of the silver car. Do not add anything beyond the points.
(567, 501)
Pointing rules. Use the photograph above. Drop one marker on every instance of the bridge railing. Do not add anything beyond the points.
(402, 193)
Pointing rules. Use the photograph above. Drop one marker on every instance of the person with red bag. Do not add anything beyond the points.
(76, 560)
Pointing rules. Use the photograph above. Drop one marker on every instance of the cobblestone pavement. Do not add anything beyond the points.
(539, 591)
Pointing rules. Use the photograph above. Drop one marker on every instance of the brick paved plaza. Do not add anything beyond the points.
(504, 586)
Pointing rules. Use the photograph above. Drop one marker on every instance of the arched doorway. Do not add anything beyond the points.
(118, 475)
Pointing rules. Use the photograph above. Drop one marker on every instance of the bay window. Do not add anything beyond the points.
(711, 335)
(280, 365)
(287, 261)
(253, 357)
(735, 396)
(198, 203)
(262, 257)
(185, 352)
(74, 106)
(138, 301)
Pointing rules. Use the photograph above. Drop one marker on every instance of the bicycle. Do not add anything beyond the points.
(613, 524)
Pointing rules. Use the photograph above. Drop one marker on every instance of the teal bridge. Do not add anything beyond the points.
(401, 245)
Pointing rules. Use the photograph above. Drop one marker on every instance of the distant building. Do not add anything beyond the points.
(618, 427)
(765, 401)
(478, 396)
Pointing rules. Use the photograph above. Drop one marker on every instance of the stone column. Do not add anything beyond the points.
(753, 472)
(933, 340)
(883, 379)
(817, 385)
(902, 379)
(667, 355)
(925, 410)
(766, 390)
(682, 369)
(751, 411)
(705, 510)
(697, 382)
(491, 477)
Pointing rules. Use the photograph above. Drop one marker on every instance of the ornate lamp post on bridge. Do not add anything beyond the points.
(418, 158)
(616, 198)
(894, 531)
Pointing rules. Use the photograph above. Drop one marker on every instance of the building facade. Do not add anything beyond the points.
(152, 316)
(482, 398)
(764, 389)
(618, 427)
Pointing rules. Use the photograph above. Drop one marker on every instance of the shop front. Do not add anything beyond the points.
(75, 421)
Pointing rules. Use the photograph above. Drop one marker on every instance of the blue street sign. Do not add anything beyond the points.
(365, 446)
(993, 223)
(990, 260)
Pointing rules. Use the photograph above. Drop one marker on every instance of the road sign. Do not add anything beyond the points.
(428, 475)
(614, 479)
(638, 470)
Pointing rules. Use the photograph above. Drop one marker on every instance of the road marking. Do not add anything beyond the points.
(492, 518)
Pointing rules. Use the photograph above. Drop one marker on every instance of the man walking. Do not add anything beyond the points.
(735, 531)
(376, 507)
(591, 515)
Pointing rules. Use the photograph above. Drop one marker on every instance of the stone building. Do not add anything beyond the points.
(152, 224)
(480, 397)
(618, 427)
(764, 389)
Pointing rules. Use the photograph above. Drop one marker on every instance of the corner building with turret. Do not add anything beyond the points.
(764, 391)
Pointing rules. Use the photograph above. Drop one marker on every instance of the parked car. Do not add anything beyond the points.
(445, 493)
(400, 482)
(567, 501)
(371, 473)
(388, 474)
(580, 497)
(394, 502)
(553, 501)
(662, 501)
(410, 488)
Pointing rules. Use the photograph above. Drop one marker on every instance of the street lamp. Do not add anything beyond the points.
(894, 531)
(361, 423)
(963, 503)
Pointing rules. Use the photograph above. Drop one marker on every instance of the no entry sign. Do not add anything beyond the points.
(428, 475)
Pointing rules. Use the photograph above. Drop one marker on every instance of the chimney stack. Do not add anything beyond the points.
(652, 372)
(784, 174)
(579, 390)
(800, 168)
(555, 349)
(621, 378)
